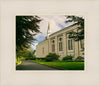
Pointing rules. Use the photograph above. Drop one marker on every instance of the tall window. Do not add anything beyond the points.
(60, 45)
(53, 46)
(43, 50)
(70, 44)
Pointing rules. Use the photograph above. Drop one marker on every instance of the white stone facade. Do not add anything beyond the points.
(60, 44)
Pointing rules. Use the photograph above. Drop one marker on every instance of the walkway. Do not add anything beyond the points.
(30, 65)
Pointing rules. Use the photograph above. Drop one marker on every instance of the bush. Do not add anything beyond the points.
(30, 58)
(68, 58)
(52, 57)
(79, 59)
(40, 58)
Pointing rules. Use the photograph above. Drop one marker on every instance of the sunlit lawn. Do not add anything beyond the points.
(18, 60)
(64, 65)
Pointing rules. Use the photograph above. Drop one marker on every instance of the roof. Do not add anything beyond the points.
(58, 31)
(62, 29)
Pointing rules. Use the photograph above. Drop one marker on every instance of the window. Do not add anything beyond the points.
(53, 41)
(70, 44)
(43, 51)
(60, 46)
(53, 48)
(60, 39)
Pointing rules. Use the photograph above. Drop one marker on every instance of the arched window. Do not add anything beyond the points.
(53, 41)
(60, 39)
(53, 46)
(60, 44)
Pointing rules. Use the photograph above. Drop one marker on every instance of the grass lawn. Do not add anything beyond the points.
(64, 65)
(18, 62)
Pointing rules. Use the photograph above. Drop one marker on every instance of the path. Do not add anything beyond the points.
(30, 65)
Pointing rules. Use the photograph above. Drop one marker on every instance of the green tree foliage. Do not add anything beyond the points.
(26, 29)
(33, 52)
(23, 53)
(79, 34)
(26, 54)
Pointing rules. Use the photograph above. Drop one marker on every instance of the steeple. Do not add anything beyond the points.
(48, 31)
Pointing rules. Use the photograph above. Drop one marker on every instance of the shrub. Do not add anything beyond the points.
(52, 57)
(79, 59)
(30, 58)
(67, 58)
(40, 58)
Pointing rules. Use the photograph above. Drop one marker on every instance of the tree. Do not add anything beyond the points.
(23, 53)
(79, 34)
(26, 29)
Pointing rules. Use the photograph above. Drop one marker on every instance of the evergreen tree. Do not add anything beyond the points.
(26, 28)
(79, 34)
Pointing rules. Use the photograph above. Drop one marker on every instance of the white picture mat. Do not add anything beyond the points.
(89, 77)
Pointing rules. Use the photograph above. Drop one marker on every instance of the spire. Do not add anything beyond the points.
(48, 31)
(48, 25)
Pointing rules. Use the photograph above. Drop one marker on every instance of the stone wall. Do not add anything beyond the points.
(42, 49)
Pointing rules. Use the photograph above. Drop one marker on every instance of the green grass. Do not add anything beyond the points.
(18, 62)
(64, 65)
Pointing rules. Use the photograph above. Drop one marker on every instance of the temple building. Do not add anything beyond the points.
(60, 44)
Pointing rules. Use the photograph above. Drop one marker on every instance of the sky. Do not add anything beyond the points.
(57, 22)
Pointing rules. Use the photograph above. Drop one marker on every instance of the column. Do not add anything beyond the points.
(64, 44)
(56, 45)
(49, 46)
(76, 46)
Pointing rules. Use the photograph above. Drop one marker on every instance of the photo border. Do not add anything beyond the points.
(41, 76)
